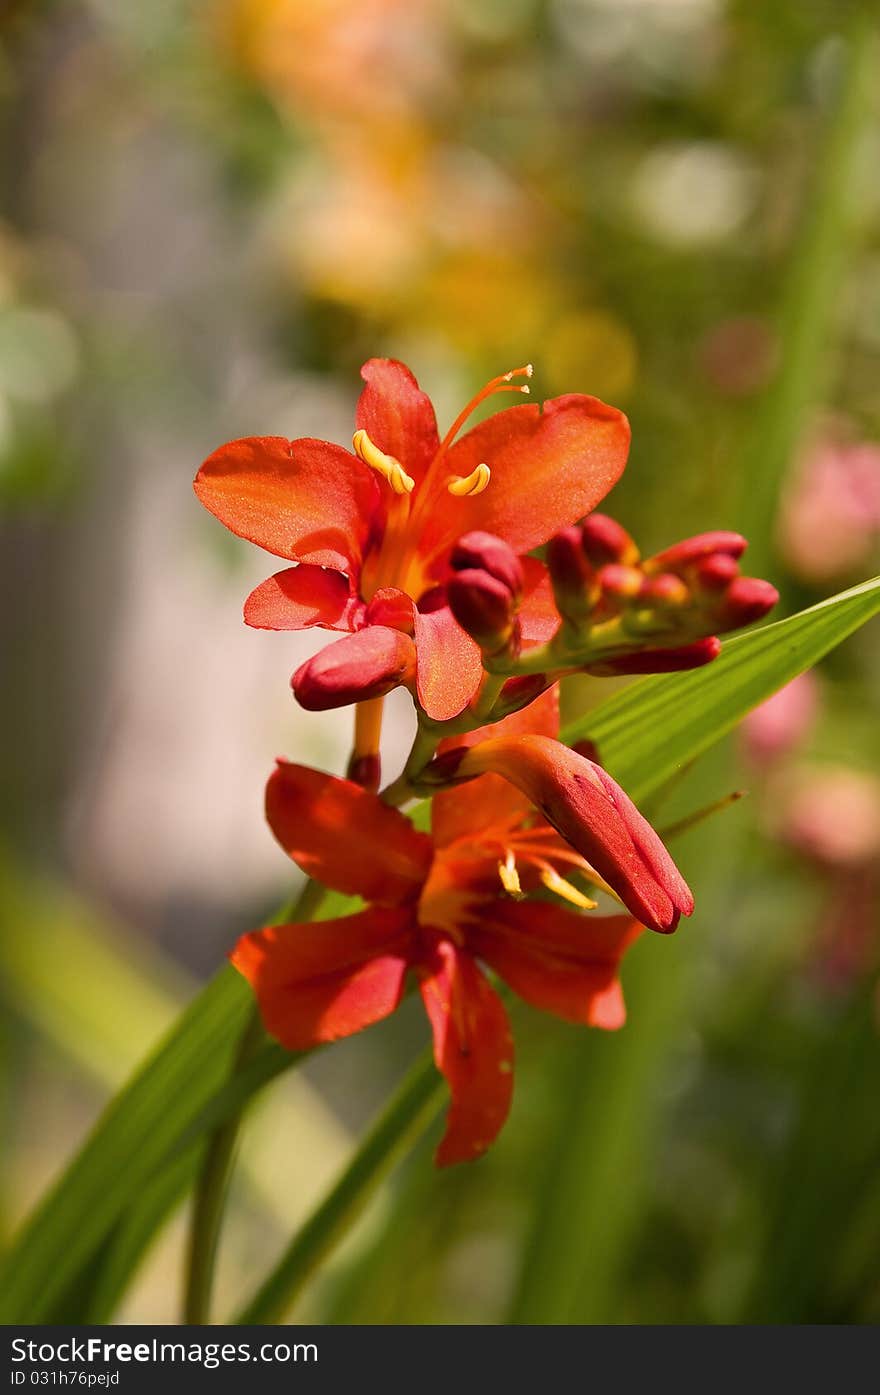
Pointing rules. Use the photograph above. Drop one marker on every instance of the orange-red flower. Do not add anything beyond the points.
(371, 532)
(442, 906)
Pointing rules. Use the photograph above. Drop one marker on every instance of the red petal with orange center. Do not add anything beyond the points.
(556, 960)
(345, 836)
(300, 597)
(306, 500)
(549, 468)
(472, 1047)
(397, 416)
(329, 979)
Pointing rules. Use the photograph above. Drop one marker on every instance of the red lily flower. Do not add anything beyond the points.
(436, 906)
(370, 533)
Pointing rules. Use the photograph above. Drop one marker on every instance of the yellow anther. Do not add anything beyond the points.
(560, 887)
(509, 875)
(525, 372)
(465, 486)
(386, 465)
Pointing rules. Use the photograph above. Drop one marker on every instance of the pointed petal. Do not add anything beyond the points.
(472, 1047)
(300, 597)
(491, 802)
(344, 836)
(397, 416)
(306, 500)
(549, 468)
(538, 616)
(449, 667)
(330, 978)
(556, 960)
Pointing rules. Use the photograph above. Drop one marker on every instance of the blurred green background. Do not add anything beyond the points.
(212, 213)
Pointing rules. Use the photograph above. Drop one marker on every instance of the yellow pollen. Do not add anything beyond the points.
(509, 875)
(386, 465)
(525, 372)
(464, 486)
(560, 887)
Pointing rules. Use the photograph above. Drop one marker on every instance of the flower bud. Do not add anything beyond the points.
(666, 590)
(575, 588)
(690, 550)
(620, 583)
(676, 659)
(747, 599)
(594, 815)
(604, 540)
(364, 665)
(484, 607)
(485, 552)
(715, 573)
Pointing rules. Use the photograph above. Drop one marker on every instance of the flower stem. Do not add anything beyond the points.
(406, 1117)
(209, 1197)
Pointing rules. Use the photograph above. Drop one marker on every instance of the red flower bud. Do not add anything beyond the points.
(673, 660)
(364, 665)
(595, 816)
(365, 771)
(575, 588)
(604, 540)
(747, 599)
(665, 590)
(715, 573)
(484, 552)
(484, 607)
(621, 583)
(682, 554)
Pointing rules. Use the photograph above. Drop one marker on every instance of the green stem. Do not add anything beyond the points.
(406, 1117)
(212, 1185)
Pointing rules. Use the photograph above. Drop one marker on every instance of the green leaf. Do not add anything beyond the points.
(647, 732)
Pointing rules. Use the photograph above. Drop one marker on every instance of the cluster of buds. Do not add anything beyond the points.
(484, 593)
(622, 613)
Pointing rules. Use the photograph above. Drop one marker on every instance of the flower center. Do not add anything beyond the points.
(395, 561)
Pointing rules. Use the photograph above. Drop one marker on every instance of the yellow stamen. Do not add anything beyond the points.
(465, 486)
(509, 875)
(386, 465)
(560, 887)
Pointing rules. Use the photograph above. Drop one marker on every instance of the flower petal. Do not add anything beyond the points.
(397, 416)
(449, 667)
(330, 978)
(549, 468)
(556, 960)
(538, 616)
(306, 500)
(300, 597)
(345, 836)
(472, 1047)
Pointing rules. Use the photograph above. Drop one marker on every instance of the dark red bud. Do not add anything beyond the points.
(604, 540)
(673, 660)
(621, 583)
(364, 665)
(665, 590)
(484, 607)
(575, 588)
(480, 551)
(715, 573)
(747, 599)
(365, 771)
(694, 549)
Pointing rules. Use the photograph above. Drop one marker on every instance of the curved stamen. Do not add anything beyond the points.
(565, 889)
(509, 875)
(465, 486)
(386, 465)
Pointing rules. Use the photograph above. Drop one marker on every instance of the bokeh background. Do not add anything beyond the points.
(211, 214)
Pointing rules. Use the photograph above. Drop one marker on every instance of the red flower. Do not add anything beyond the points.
(371, 532)
(436, 906)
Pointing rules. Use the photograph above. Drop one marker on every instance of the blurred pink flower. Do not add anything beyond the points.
(832, 815)
(782, 723)
(830, 520)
